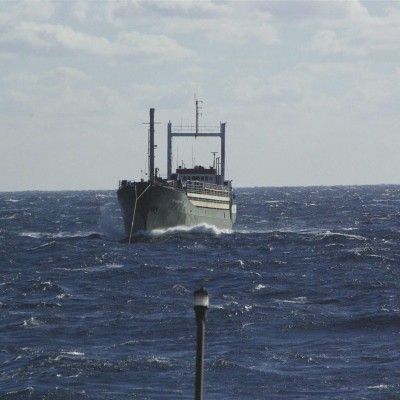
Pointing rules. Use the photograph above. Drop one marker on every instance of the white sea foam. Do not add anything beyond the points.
(161, 361)
(110, 221)
(57, 235)
(296, 300)
(13, 216)
(30, 323)
(177, 230)
(345, 235)
(73, 353)
(43, 245)
(27, 391)
(101, 268)
(69, 355)
(34, 235)
(382, 386)
(260, 286)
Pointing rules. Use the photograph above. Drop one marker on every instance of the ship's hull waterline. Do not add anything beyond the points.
(148, 206)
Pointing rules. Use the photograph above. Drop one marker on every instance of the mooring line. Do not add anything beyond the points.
(134, 209)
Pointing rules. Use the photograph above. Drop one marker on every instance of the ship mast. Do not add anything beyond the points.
(179, 133)
(197, 117)
(151, 146)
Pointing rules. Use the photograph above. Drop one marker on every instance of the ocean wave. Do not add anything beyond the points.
(69, 355)
(40, 304)
(306, 296)
(383, 386)
(16, 394)
(10, 217)
(373, 323)
(102, 268)
(45, 245)
(337, 237)
(201, 229)
(55, 393)
(149, 363)
(30, 323)
(358, 253)
(45, 287)
(222, 363)
(377, 322)
(62, 235)
(296, 300)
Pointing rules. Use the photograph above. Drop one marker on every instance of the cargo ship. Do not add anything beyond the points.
(186, 197)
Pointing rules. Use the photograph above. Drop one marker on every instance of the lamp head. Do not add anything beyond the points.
(201, 298)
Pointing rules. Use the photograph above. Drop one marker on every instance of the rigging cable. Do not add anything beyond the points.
(134, 209)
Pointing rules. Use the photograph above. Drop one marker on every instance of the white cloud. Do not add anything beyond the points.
(357, 34)
(157, 46)
(325, 42)
(240, 30)
(303, 79)
(311, 11)
(121, 12)
(80, 10)
(223, 22)
(11, 12)
(55, 37)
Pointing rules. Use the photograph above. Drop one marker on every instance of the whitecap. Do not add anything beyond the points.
(180, 289)
(217, 306)
(381, 386)
(13, 216)
(30, 323)
(345, 235)
(260, 286)
(69, 355)
(160, 361)
(177, 230)
(43, 246)
(102, 268)
(59, 235)
(29, 390)
(296, 300)
(34, 235)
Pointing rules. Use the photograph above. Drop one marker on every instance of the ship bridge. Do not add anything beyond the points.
(198, 173)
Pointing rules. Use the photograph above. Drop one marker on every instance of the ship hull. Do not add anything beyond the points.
(148, 206)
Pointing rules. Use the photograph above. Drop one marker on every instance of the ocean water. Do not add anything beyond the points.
(304, 298)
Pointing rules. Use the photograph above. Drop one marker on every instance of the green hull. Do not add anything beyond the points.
(147, 206)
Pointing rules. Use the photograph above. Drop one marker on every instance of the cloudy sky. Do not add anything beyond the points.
(310, 90)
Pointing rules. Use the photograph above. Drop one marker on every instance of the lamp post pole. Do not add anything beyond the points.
(200, 305)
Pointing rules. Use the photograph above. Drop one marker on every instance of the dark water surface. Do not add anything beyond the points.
(304, 298)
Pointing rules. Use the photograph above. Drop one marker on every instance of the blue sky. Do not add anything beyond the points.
(310, 90)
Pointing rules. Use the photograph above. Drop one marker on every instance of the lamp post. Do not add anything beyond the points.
(200, 305)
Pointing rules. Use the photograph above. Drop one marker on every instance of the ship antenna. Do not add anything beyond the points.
(214, 153)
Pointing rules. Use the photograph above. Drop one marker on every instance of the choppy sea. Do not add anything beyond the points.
(304, 298)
